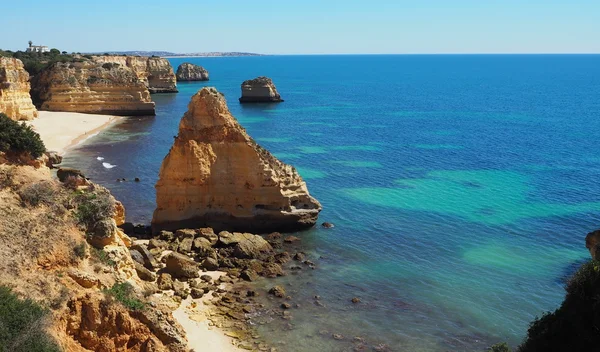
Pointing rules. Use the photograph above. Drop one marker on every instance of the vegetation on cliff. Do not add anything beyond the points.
(19, 138)
(22, 325)
(35, 62)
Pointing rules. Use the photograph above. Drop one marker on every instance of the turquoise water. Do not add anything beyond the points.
(461, 187)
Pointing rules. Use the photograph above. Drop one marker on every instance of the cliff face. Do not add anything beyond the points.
(191, 72)
(156, 73)
(259, 90)
(216, 175)
(92, 87)
(15, 100)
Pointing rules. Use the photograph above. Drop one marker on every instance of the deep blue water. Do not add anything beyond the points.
(461, 187)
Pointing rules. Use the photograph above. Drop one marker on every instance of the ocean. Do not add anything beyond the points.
(461, 188)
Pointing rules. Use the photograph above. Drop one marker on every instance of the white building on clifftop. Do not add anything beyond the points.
(37, 48)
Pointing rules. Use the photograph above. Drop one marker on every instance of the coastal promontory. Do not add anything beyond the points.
(88, 86)
(190, 72)
(156, 72)
(15, 100)
(216, 175)
(259, 90)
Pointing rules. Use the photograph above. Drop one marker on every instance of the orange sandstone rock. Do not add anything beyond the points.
(216, 175)
(15, 100)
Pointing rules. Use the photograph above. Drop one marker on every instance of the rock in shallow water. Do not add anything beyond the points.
(259, 90)
(190, 72)
(225, 180)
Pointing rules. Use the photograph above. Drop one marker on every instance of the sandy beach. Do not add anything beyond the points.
(63, 130)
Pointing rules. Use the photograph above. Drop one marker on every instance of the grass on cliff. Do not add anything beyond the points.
(123, 292)
(35, 62)
(19, 138)
(22, 325)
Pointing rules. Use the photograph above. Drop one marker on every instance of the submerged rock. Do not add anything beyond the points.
(190, 72)
(259, 90)
(216, 175)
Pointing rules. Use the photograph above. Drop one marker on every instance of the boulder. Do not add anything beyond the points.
(149, 260)
(83, 279)
(144, 273)
(180, 290)
(210, 264)
(592, 243)
(272, 270)
(185, 245)
(277, 291)
(181, 266)
(73, 175)
(136, 256)
(229, 239)
(202, 246)
(165, 282)
(209, 234)
(190, 72)
(185, 233)
(249, 275)
(252, 248)
(259, 90)
(216, 176)
(158, 244)
(53, 158)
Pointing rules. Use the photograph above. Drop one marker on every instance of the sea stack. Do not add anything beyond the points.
(190, 72)
(216, 175)
(15, 100)
(92, 87)
(259, 90)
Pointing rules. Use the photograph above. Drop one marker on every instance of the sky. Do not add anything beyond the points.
(306, 26)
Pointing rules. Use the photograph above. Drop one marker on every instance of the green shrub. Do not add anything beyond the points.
(38, 193)
(123, 293)
(102, 257)
(22, 325)
(575, 326)
(499, 347)
(93, 207)
(19, 138)
(79, 250)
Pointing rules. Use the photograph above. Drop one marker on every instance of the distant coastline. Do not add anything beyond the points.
(172, 55)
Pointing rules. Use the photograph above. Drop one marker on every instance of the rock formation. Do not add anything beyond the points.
(191, 72)
(15, 100)
(92, 87)
(156, 72)
(259, 90)
(215, 175)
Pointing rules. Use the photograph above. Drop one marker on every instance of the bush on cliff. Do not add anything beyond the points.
(22, 325)
(19, 138)
(93, 207)
(575, 326)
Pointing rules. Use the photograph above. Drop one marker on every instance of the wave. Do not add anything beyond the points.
(108, 166)
(100, 158)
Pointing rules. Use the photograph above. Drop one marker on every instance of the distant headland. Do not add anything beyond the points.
(172, 54)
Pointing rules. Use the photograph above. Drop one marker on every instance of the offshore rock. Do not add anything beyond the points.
(259, 90)
(191, 72)
(91, 87)
(216, 175)
(155, 72)
(15, 100)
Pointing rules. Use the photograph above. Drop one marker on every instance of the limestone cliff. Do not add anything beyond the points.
(216, 175)
(15, 101)
(259, 90)
(156, 72)
(92, 87)
(191, 72)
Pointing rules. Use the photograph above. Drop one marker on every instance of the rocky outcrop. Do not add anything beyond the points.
(215, 175)
(592, 243)
(155, 72)
(259, 90)
(92, 87)
(15, 100)
(191, 72)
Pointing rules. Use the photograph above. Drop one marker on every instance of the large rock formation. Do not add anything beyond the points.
(259, 90)
(92, 87)
(15, 100)
(215, 175)
(156, 72)
(191, 72)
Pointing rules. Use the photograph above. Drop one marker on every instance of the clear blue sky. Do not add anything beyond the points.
(306, 26)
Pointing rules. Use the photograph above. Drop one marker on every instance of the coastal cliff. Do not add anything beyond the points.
(259, 90)
(216, 175)
(190, 72)
(15, 100)
(92, 87)
(156, 72)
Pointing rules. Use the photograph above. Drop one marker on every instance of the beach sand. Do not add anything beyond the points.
(63, 130)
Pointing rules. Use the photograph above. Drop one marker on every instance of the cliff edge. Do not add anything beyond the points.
(15, 101)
